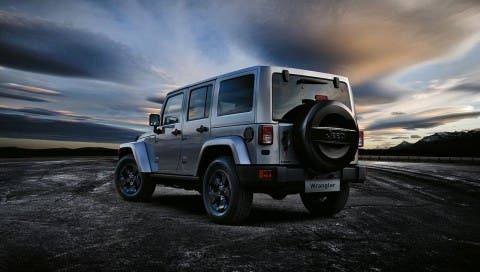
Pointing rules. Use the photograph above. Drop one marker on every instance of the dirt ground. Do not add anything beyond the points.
(64, 214)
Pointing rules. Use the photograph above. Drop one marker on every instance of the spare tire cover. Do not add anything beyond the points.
(325, 135)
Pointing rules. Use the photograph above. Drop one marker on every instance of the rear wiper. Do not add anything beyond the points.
(310, 81)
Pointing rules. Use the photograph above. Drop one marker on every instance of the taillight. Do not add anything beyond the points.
(265, 174)
(320, 97)
(265, 135)
(360, 138)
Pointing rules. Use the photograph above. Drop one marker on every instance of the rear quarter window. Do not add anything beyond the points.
(236, 95)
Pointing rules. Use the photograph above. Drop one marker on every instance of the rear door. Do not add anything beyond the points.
(168, 143)
(196, 129)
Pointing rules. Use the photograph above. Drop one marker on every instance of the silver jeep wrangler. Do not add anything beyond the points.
(263, 129)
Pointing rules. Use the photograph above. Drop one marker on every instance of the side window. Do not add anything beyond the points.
(199, 103)
(236, 95)
(173, 110)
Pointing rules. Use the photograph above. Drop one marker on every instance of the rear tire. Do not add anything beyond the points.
(225, 201)
(131, 184)
(326, 204)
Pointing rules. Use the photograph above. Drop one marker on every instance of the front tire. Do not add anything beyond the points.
(225, 201)
(131, 184)
(326, 204)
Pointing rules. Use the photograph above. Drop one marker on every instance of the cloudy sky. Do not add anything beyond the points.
(89, 72)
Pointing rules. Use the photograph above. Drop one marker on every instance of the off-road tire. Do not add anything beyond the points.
(240, 200)
(328, 115)
(326, 204)
(145, 188)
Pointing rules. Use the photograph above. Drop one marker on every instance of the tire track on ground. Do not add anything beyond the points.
(427, 176)
(430, 190)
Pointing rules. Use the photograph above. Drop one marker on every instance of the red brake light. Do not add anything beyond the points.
(265, 174)
(360, 138)
(320, 97)
(265, 135)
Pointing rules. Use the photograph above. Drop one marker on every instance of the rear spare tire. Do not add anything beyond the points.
(325, 135)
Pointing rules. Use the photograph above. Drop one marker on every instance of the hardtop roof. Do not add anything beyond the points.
(248, 69)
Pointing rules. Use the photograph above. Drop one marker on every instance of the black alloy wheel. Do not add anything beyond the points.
(130, 179)
(130, 183)
(219, 192)
(224, 199)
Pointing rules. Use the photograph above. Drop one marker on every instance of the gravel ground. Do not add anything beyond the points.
(64, 214)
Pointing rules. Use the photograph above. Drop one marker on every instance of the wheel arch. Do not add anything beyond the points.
(233, 146)
(123, 151)
(140, 152)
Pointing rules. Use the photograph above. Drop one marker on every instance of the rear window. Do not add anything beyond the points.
(236, 95)
(288, 95)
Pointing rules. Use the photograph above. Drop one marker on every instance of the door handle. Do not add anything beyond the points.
(176, 132)
(202, 129)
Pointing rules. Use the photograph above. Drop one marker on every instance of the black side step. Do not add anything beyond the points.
(177, 181)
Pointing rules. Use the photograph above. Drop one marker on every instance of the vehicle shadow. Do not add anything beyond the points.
(259, 215)
(265, 215)
(187, 203)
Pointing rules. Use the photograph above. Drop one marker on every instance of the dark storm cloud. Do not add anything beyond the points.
(467, 87)
(36, 111)
(376, 93)
(124, 106)
(21, 97)
(415, 136)
(413, 122)
(29, 89)
(139, 47)
(17, 126)
(358, 38)
(17, 91)
(45, 112)
(399, 137)
(398, 113)
(45, 47)
(156, 99)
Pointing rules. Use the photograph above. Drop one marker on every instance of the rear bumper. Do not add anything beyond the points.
(354, 173)
(290, 180)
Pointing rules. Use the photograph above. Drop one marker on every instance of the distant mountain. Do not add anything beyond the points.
(443, 144)
(401, 146)
(16, 152)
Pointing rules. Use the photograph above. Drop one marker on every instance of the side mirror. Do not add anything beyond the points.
(154, 120)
